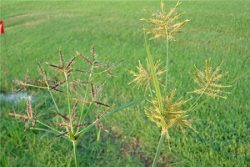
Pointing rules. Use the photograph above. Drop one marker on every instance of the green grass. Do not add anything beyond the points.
(218, 30)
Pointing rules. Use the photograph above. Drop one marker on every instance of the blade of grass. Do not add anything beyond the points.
(51, 128)
(121, 108)
(156, 83)
(44, 130)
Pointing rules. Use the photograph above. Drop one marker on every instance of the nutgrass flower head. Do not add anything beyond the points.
(29, 116)
(172, 114)
(165, 24)
(209, 81)
(143, 76)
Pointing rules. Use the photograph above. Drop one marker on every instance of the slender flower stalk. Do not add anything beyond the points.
(69, 103)
(157, 153)
(75, 154)
(167, 63)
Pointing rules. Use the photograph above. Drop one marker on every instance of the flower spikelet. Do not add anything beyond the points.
(209, 81)
(143, 77)
(172, 114)
(165, 24)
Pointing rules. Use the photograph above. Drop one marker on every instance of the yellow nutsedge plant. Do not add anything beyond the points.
(165, 109)
(79, 88)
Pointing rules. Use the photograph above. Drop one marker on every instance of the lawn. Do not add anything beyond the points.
(34, 32)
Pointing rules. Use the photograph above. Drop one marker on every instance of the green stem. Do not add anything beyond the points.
(51, 95)
(158, 149)
(74, 150)
(98, 134)
(45, 130)
(69, 107)
(167, 64)
(34, 86)
(196, 101)
(85, 96)
(118, 109)
(51, 128)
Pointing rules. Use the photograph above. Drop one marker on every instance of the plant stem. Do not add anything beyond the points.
(196, 101)
(98, 134)
(51, 95)
(34, 86)
(156, 85)
(158, 150)
(74, 150)
(167, 64)
(118, 109)
(68, 100)
(85, 96)
(51, 128)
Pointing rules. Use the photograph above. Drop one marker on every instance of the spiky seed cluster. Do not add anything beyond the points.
(29, 116)
(64, 68)
(209, 81)
(72, 120)
(172, 113)
(85, 86)
(165, 24)
(143, 77)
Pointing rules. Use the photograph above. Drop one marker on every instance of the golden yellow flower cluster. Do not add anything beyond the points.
(209, 81)
(165, 24)
(172, 114)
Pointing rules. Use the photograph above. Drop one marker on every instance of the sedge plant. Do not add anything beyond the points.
(80, 106)
(164, 108)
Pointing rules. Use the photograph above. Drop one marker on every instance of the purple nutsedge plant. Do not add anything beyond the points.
(80, 98)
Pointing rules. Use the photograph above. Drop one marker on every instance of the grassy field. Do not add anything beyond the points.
(218, 30)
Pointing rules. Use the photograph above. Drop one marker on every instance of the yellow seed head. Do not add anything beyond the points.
(165, 24)
(209, 81)
(143, 77)
(172, 114)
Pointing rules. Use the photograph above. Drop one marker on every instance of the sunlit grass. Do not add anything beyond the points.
(219, 30)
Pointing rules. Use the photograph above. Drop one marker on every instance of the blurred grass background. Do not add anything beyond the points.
(34, 31)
